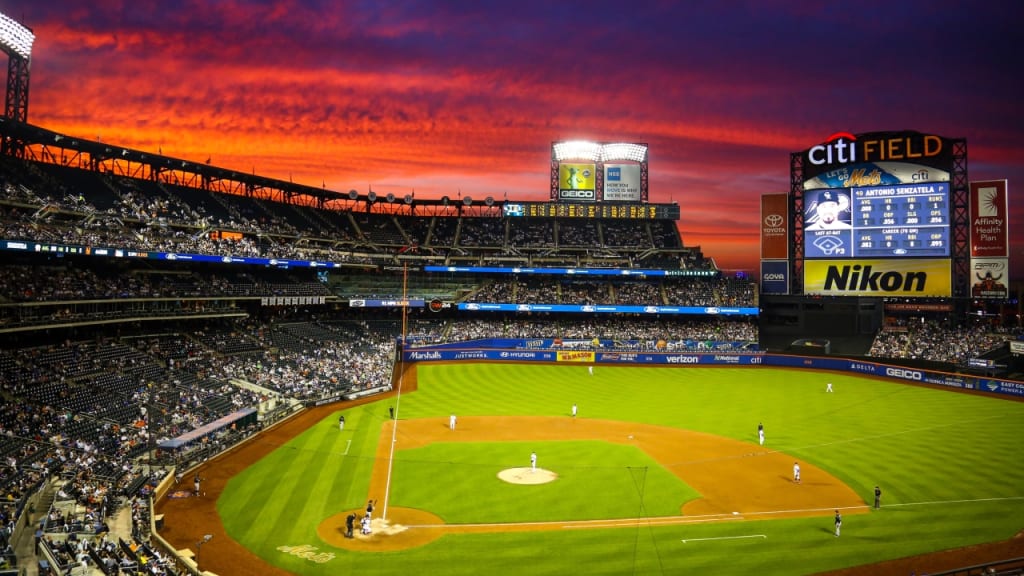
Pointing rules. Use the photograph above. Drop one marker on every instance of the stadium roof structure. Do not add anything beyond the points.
(39, 144)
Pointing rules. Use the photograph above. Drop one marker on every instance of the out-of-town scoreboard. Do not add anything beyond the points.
(592, 210)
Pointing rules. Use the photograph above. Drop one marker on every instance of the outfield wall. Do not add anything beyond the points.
(474, 351)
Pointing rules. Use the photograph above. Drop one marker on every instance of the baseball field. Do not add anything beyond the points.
(660, 472)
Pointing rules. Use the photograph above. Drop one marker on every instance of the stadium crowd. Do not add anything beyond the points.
(91, 406)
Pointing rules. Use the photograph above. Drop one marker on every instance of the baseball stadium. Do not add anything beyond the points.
(207, 371)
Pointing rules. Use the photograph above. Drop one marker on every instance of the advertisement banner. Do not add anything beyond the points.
(989, 277)
(577, 181)
(989, 219)
(774, 226)
(621, 182)
(574, 356)
(774, 277)
(909, 277)
(877, 158)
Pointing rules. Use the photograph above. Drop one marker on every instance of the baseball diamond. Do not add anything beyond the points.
(739, 488)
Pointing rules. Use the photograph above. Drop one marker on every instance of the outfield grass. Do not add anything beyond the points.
(948, 464)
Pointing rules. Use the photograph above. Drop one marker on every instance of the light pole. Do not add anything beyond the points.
(199, 548)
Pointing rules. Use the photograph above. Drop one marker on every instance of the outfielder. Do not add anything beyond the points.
(839, 522)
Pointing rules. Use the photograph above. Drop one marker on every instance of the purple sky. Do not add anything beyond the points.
(441, 97)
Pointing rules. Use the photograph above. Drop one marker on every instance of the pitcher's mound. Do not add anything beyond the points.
(527, 476)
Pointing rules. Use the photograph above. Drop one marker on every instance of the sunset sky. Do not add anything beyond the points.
(449, 96)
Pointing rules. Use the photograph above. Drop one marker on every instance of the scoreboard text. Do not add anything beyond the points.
(580, 210)
(910, 220)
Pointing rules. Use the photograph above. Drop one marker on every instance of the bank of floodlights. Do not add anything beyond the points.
(624, 151)
(15, 38)
(596, 152)
(577, 150)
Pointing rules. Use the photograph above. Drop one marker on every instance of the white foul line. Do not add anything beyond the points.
(347, 446)
(724, 538)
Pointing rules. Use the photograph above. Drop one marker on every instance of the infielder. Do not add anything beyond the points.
(451, 422)
(796, 472)
(573, 410)
(533, 461)
(760, 433)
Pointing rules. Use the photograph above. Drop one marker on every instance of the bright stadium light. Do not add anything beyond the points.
(577, 150)
(624, 151)
(595, 151)
(15, 38)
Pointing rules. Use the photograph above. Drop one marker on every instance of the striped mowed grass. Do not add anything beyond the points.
(948, 465)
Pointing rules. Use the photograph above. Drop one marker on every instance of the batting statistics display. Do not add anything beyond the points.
(908, 220)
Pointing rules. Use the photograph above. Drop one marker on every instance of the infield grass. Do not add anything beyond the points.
(949, 465)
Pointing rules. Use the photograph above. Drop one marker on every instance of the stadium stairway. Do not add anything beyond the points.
(25, 539)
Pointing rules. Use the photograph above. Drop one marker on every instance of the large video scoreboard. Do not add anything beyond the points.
(870, 214)
(910, 220)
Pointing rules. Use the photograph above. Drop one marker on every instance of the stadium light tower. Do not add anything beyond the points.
(16, 40)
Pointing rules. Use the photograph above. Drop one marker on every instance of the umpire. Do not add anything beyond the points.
(878, 497)
(350, 522)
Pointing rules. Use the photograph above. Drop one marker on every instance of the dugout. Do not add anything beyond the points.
(196, 438)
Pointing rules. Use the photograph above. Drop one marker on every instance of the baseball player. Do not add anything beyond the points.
(828, 387)
(341, 422)
(451, 422)
(760, 433)
(839, 522)
(533, 461)
(878, 497)
(573, 410)
(796, 472)
(591, 370)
